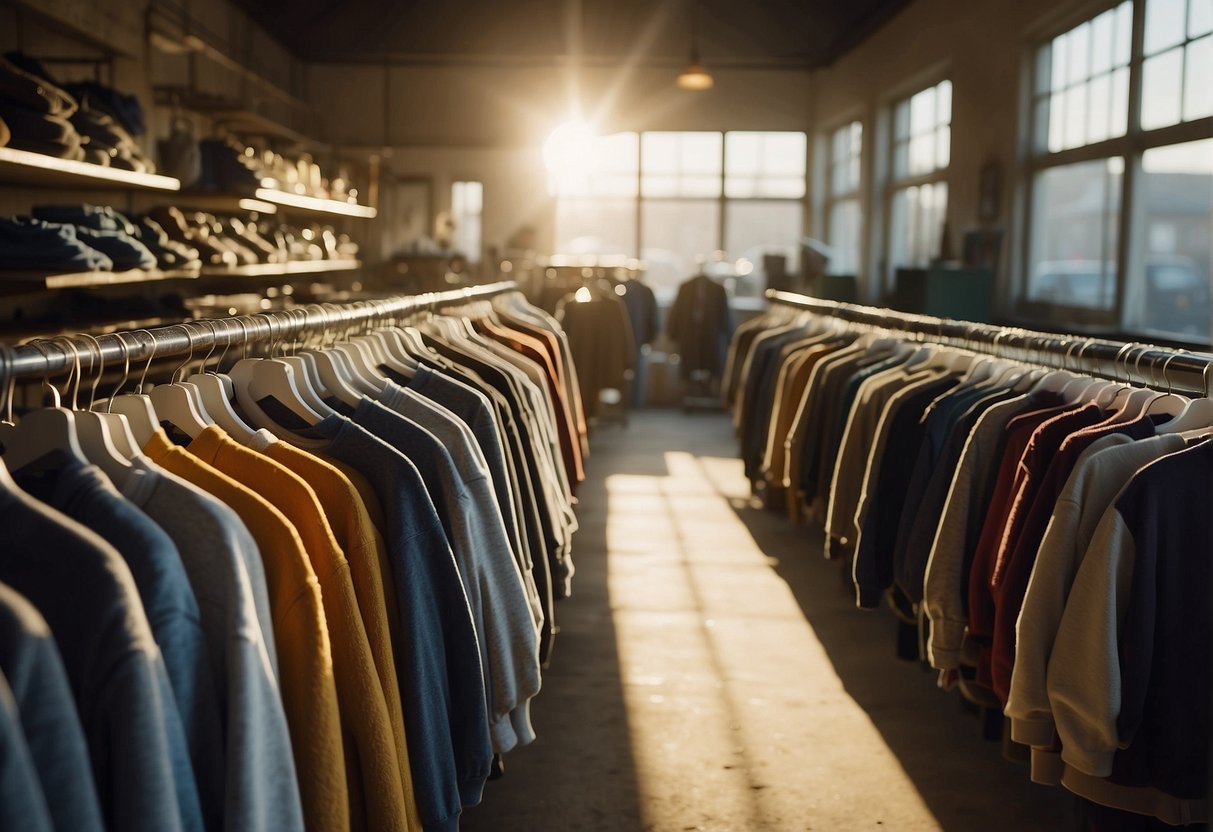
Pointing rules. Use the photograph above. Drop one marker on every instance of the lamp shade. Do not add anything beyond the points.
(695, 77)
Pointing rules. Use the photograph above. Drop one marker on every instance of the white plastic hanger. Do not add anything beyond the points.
(1196, 414)
(177, 404)
(41, 432)
(136, 407)
(213, 393)
(259, 378)
(93, 429)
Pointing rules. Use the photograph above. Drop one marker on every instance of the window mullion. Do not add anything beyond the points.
(1124, 243)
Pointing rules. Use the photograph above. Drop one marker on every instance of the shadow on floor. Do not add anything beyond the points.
(937, 740)
(580, 773)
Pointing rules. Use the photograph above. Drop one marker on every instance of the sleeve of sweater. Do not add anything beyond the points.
(1084, 671)
(944, 586)
(1039, 619)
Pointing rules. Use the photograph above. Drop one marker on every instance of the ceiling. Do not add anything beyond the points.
(745, 33)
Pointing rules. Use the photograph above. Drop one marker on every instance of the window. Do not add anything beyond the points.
(596, 182)
(677, 198)
(918, 192)
(1120, 201)
(844, 208)
(467, 206)
(765, 165)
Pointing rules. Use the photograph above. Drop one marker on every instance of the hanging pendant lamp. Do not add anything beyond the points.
(694, 75)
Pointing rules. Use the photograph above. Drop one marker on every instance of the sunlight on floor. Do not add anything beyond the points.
(725, 679)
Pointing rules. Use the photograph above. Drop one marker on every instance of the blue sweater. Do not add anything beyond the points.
(446, 719)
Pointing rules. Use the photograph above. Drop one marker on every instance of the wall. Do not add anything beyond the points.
(981, 47)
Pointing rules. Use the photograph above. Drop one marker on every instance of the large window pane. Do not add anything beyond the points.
(1082, 79)
(1160, 82)
(680, 164)
(1170, 291)
(581, 164)
(754, 228)
(1075, 212)
(674, 235)
(1198, 79)
(1164, 24)
(765, 164)
(845, 237)
(916, 230)
(596, 226)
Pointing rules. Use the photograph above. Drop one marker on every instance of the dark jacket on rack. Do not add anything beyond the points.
(600, 337)
(702, 323)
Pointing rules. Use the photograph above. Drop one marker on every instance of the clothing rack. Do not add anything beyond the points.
(59, 355)
(1178, 370)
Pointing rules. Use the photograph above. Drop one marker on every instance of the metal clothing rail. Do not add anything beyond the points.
(53, 357)
(1157, 366)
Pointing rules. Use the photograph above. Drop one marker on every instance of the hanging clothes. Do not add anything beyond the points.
(326, 619)
(701, 323)
(1041, 527)
(601, 341)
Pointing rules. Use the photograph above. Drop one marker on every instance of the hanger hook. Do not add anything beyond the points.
(214, 330)
(75, 371)
(1165, 366)
(126, 370)
(94, 344)
(7, 384)
(151, 354)
(189, 337)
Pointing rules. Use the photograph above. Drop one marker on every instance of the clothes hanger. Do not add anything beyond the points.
(93, 430)
(1197, 414)
(177, 404)
(7, 388)
(306, 374)
(1130, 401)
(213, 394)
(118, 425)
(136, 408)
(261, 378)
(43, 431)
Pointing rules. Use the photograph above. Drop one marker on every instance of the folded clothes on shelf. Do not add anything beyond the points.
(81, 237)
(30, 244)
(86, 121)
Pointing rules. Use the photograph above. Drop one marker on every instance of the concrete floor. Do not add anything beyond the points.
(712, 673)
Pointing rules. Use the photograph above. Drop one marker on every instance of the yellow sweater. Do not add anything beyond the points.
(309, 693)
(359, 538)
(375, 782)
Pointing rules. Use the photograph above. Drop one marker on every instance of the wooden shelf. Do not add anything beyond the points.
(20, 282)
(315, 204)
(17, 282)
(282, 269)
(222, 203)
(25, 168)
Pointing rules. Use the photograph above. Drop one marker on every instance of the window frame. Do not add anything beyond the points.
(1129, 147)
(473, 258)
(721, 199)
(856, 194)
(894, 184)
